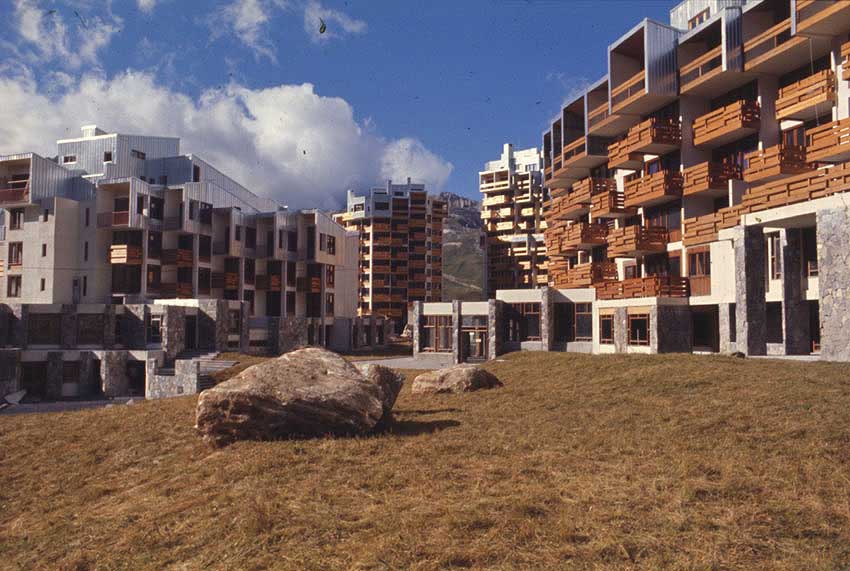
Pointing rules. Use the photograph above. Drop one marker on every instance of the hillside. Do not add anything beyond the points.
(579, 462)
(463, 258)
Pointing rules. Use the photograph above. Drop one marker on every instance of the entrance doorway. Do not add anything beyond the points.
(705, 322)
(814, 326)
(474, 344)
(191, 332)
(34, 381)
(136, 378)
(564, 324)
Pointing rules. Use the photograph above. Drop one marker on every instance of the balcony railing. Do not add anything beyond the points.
(845, 61)
(611, 204)
(704, 229)
(709, 177)
(112, 219)
(225, 280)
(124, 254)
(655, 136)
(701, 68)
(663, 186)
(797, 188)
(183, 290)
(769, 44)
(775, 162)
(584, 235)
(653, 286)
(178, 257)
(808, 97)
(631, 241)
(829, 142)
(821, 16)
(631, 88)
(14, 194)
(586, 275)
(598, 114)
(727, 124)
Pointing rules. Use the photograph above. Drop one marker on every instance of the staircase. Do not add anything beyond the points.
(207, 366)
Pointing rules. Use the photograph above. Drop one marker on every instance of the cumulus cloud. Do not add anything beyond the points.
(147, 6)
(337, 23)
(287, 142)
(247, 21)
(73, 35)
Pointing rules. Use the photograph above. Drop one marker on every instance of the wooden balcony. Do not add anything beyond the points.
(659, 188)
(225, 280)
(611, 204)
(807, 98)
(11, 195)
(584, 236)
(773, 50)
(798, 188)
(584, 153)
(177, 257)
(704, 229)
(632, 241)
(775, 162)
(652, 286)
(124, 254)
(829, 143)
(709, 179)
(823, 17)
(655, 136)
(181, 290)
(700, 74)
(727, 124)
(625, 95)
(845, 61)
(113, 219)
(587, 275)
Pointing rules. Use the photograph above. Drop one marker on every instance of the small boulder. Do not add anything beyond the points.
(305, 393)
(458, 379)
(736, 355)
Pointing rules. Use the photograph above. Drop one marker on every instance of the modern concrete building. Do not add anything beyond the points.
(122, 229)
(401, 247)
(699, 193)
(512, 212)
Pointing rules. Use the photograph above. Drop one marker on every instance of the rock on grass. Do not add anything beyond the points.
(457, 379)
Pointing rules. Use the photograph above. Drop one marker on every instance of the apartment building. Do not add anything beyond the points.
(512, 212)
(401, 247)
(699, 195)
(122, 224)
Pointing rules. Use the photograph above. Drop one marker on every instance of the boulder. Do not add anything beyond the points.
(458, 379)
(305, 393)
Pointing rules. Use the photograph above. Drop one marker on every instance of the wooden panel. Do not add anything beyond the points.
(726, 124)
(829, 142)
(123, 254)
(770, 44)
(631, 241)
(845, 56)
(610, 204)
(650, 136)
(703, 229)
(774, 162)
(701, 68)
(663, 186)
(629, 90)
(653, 286)
(709, 176)
(805, 98)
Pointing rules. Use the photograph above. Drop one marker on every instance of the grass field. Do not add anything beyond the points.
(579, 462)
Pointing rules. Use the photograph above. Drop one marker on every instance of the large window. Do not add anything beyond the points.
(16, 253)
(13, 286)
(584, 322)
(154, 329)
(331, 245)
(774, 253)
(606, 329)
(16, 219)
(330, 275)
(522, 322)
(639, 329)
(437, 333)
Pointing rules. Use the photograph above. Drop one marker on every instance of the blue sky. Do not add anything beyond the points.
(432, 89)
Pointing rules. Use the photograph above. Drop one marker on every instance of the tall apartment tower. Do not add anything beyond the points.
(512, 212)
(401, 247)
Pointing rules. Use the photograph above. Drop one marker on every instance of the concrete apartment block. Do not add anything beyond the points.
(697, 193)
(124, 262)
(401, 248)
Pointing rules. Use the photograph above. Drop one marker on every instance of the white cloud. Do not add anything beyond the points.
(247, 21)
(45, 36)
(286, 142)
(147, 6)
(337, 23)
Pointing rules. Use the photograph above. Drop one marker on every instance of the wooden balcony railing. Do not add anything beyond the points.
(225, 280)
(583, 190)
(611, 204)
(574, 150)
(829, 142)
(817, 16)
(586, 275)
(727, 124)
(650, 136)
(584, 235)
(774, 162)
(807, 98)
(704, 229)
(653, 286)
(700, 285)
(769, 44)
(845, 61)
(111, 219)
(600, 113)
(629, 89)
(709, 177)
(663, 186)
(178, 257)
(124, 254)
(631, 241)
(182, 290)
(701, 67)
(13, 194)
(798, 188)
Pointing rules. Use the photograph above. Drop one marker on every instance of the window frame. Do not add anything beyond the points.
(603, 340)
(637, 342)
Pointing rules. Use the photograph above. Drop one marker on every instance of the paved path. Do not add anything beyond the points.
(429, 361)
(63, 406)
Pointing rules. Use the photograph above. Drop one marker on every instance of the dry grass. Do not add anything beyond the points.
(673, 462)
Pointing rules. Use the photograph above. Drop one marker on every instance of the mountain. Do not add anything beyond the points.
(463, 258)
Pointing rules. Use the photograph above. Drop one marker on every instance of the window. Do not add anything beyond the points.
(43, 284)
(437, 333)
(16, 219)
(330, 275)
(140, 205)
(193, 207)
(250, 237)
(68, 159)
(292, 241)
(86, 252)
(280, 239)
(329, 304)
(85, 285)
(774, 259)
(46, 214)
(606, 329)
(698, 19)
(13, 287)
(137, 154)
(154, 329)
(44, 250)
(584, 322)
(523, 322)
(323, 238)
(16, 253)
(639, 329)
(238, 231)
(290, 274)
(699, 264)
(88, 217)
(107, 156)
(773, 315)
(196, 173)
(234, 322)
(331, 245)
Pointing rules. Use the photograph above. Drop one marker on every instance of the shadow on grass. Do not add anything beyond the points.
(416, 427)
(425, 411)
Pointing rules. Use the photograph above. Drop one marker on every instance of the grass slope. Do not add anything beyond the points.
(579, 462)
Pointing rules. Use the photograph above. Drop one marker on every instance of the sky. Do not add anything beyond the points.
(391, 89)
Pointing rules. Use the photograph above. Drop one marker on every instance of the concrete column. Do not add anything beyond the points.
(457, 318)
(750, 310)
(795, 310)
(671, 329)
(109, 321)
(53, 388)
(547, 314)
(725, 319)
(68, 326)
(416, 326)
(833, 232)
(87, 386)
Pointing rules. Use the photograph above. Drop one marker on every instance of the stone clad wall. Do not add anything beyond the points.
(833, 232)
(795, 310)
(184, 381)
(750, 309)
(672, 329)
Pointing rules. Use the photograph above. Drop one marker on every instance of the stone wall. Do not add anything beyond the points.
(795, 310)
(547, 314)
(495, 314)
(68, 327)
(671, 326)
(10, 371)
(457, 315)
(621, 330)
(184, 381)
(133, 326)
(53, 387)
(416, 326)
(173, 331)
(725, 321)
(113, 371)
(750, 310)
(833, 234)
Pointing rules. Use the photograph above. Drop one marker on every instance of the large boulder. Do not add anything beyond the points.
(457, 379)
(309, 392)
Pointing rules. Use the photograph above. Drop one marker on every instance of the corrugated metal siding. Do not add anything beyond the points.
(662, 70)
(733, 39)
(245, 198)
(682, 13)
(47, 180)
(89, 154)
